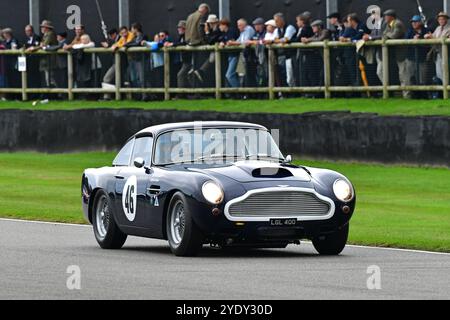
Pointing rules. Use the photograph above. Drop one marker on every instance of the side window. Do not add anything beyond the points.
(143, 149)
(123, 157)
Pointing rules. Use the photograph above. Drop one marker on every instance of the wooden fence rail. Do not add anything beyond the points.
(218, 90)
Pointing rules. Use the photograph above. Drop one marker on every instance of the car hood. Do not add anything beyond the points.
(257, 171)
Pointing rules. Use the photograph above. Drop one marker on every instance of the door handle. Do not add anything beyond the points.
(154, 191)
(120, 177)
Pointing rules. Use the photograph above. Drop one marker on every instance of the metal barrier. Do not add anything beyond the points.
(326, 88)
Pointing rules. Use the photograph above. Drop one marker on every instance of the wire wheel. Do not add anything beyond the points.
(102, 217)
(177, 223)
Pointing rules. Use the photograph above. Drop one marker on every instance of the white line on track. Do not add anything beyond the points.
(350, 245)
(45, 222)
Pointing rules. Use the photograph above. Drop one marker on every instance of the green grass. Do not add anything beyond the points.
(407, 207)
(383, 107)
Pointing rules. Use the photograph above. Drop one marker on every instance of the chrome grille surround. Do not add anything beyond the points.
(280, 203)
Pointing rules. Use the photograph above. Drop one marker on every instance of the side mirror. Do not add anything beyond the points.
(139, 163)
(288, 159)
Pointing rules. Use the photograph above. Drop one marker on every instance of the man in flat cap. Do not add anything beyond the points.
(442, 31)
(396, 29)
(316, 60)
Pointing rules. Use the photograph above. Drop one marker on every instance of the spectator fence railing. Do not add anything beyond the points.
(327, 89)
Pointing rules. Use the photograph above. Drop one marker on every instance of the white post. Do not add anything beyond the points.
(224, 9)
(124, 13)
(446, 5)
(34, 13)
(332, 7)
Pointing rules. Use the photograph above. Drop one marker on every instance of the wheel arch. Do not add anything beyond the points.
(92, 202)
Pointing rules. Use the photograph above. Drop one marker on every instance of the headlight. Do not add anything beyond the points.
(343, 190)
(212, 192)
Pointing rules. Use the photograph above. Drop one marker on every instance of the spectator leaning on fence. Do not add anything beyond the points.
(230, 35)
(417, 55)
(184, 58)
(109, 79)
(256, 55)
(136, 61)
(11, 76)
(442, 31)
(337, 27)
(87, 64)
(304, 57)
(285, 33)
(61, 60)
(79, 31)
(353, 32)
(395, 29)
(212, 36)
(372, 54)
(271, 35)
(320, 34)
(246, 34)
(113, 37)
(47, 64)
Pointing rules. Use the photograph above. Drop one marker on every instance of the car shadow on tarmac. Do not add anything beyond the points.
(208, 252)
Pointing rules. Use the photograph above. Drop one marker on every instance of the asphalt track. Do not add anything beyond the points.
(34, 258)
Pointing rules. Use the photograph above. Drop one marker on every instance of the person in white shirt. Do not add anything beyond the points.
(284, 35)
(270, 32)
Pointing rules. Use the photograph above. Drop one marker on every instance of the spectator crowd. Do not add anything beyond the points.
(248, 67)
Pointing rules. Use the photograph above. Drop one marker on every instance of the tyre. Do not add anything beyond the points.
(106, 231)
(185, 238)
(332, 244)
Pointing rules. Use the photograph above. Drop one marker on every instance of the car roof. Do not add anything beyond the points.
(156, 130)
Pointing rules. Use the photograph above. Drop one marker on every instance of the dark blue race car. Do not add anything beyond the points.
(219, 183)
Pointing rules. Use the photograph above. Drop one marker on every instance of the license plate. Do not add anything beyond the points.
(283, 222)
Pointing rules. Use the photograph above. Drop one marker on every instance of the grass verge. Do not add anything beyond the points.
(290, 106)
(406, 207)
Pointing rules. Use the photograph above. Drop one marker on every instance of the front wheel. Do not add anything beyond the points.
(332, 244)
(185, 238)
(106, 231)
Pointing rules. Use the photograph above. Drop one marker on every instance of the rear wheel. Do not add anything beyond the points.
(106, 231)
(332, 244)
(185, 238)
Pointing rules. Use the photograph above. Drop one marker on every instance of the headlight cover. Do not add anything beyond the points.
(212, 192)
(343, 190)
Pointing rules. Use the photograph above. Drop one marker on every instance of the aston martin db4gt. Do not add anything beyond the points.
(220, 183)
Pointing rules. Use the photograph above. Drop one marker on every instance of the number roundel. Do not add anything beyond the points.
(129, 198)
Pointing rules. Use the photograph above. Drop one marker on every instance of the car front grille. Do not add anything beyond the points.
(280, 204)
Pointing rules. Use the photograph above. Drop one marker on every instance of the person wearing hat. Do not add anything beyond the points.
(255, 57)
(442, 31)
(212, 36)
(47, 64)
(337, 28)
(212, 31)
(395, 29)
(270, 36)
(61, 60)
(315, 62)
(417, 55)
